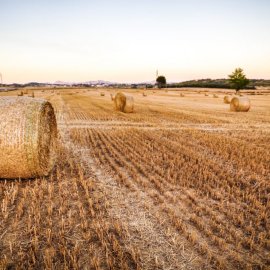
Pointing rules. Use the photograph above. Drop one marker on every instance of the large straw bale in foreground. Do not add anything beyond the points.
(28, 133)
(123, 103)
(240, 104)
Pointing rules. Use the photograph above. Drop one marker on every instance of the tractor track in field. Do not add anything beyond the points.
(159, 248)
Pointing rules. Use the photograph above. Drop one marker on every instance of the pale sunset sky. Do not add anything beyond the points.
(127, 40)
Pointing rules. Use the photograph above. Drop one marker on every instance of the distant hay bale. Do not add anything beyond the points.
(119, 102)
(182, 95)
(32, 95)
(112, 96)
(240, 104)
(20, 94)
(227, 99)
(123, 103)
(144, 94)
(215, 96)
(206, 94)
(102, 94)
(28, 133)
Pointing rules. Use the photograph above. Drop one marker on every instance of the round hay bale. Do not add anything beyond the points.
(102, 94)
(112, 96)
(119, 101)
(240, 104)
(20, 94)
(144, 94)
(206, 94)
(123, 103)
(215, 96)
(28, 134)
(182, 95)
(227, 99)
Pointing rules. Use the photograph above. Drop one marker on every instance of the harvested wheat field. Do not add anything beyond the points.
(180, 183)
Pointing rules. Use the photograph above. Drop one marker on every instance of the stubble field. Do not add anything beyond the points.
(181, 183)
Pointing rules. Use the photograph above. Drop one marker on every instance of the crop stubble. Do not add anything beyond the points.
(181, 186)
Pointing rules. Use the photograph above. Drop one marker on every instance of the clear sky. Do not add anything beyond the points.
(127, 40)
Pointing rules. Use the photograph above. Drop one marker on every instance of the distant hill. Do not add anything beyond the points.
(97, 82)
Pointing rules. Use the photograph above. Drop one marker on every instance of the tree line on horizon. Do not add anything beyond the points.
(237, 80)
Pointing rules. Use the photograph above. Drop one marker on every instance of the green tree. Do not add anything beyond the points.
(161, 81)
(238, 79)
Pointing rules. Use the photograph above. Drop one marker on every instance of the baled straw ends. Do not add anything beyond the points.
(123, 103)
(28, 134)
(240, 104)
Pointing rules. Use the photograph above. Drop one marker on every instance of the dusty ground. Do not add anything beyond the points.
(182, 183)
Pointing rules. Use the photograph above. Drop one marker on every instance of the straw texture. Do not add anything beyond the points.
(240, 104)
(28, 133)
